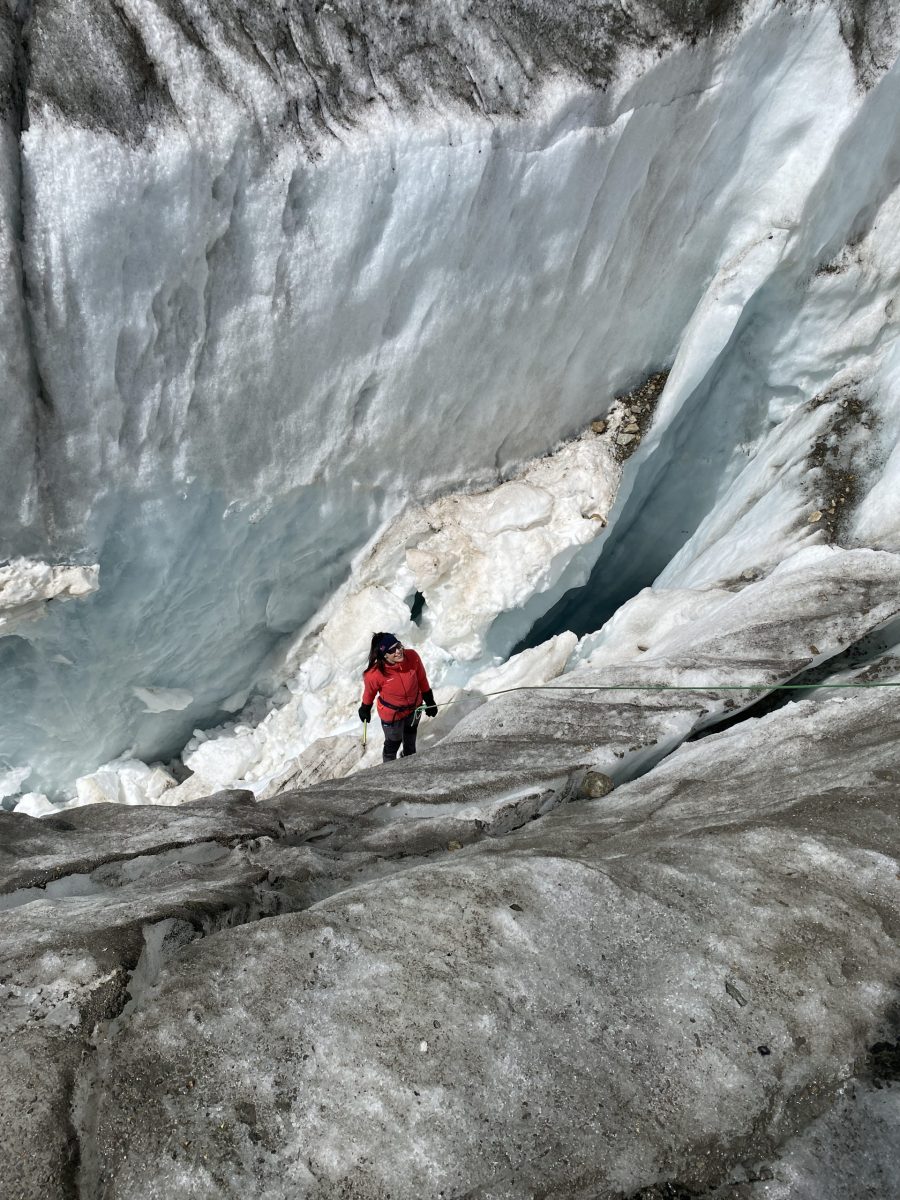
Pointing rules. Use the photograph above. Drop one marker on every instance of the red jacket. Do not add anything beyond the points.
(399, 686)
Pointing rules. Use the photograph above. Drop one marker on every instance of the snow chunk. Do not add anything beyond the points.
(28, 585)
(528, 669)
(222, 758)
(157, 699)
(124, 781)
(348, 634)
(517, 506)
(36, 804)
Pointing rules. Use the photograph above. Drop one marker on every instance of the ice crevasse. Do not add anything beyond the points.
(311, 312)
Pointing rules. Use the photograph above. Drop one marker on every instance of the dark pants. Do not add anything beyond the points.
(397, 733)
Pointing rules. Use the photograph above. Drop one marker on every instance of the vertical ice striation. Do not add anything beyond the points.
(277, 273)
(22, 523)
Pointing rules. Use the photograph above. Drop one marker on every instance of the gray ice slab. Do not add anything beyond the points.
(34, 851)
(557, 972)
(564, 1012)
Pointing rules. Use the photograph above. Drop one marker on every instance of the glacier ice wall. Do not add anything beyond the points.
(277, 271)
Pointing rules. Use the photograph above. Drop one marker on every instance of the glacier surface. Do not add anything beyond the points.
(276, 278)
(459, 975)
(561, 339)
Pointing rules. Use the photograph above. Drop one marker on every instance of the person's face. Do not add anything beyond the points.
(395, 655)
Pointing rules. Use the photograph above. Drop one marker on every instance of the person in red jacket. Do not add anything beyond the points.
(397, 677)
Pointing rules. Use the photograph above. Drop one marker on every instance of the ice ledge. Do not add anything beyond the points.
(28, 585)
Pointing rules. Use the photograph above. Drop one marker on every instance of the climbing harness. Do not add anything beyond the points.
(400, 708)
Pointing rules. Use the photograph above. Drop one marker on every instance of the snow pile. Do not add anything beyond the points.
(127, 781)
(26, 587)
(474, 556)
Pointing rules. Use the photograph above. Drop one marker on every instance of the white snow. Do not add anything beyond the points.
(157, 699)
(35, 804)
(27, 586)
(126, 781)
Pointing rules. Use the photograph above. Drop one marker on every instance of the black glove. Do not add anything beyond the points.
(365, 712)
(430, 706)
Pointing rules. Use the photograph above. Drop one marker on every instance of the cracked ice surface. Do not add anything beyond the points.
(588, 963)
(244, 353)
(405, 1030)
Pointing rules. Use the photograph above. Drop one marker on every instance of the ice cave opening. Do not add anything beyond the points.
(695, 461)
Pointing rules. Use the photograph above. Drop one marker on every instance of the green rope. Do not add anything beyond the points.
(666, 687)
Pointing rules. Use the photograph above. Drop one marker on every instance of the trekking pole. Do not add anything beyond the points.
(365, 732)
